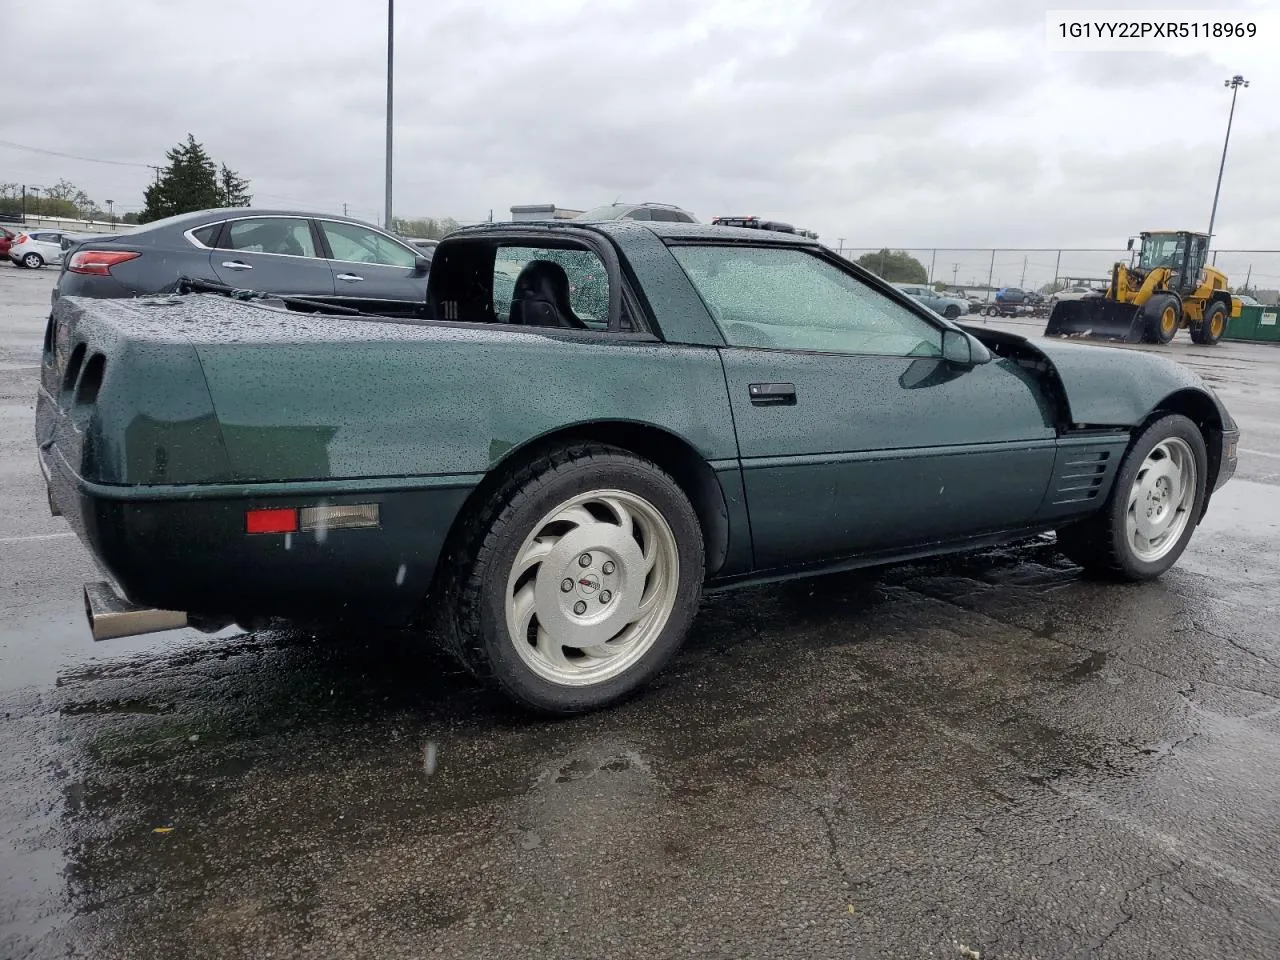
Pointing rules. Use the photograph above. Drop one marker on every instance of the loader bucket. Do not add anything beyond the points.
(1096, 317)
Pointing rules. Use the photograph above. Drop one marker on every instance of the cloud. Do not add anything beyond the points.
(937, 122)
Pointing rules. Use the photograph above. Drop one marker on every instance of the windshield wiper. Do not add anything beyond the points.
(199, 285)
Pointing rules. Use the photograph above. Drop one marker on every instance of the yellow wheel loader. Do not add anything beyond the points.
(1165, 287)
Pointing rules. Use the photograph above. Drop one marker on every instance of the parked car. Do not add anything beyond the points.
(950, 307)
(1246, 300)
(37, 247)
(755, 223)
(315, 257)
(553, 487)
(1076, 291)
(662, 212)
(1013, 296)
(7, 236)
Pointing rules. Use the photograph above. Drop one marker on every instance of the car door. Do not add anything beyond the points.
(856, 435)
(272, 254)
(373, 271)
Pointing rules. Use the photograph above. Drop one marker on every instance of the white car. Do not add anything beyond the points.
(1077, 291)
(38, 247)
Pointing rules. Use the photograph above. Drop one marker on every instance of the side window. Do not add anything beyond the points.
(286, 236)
(588, 281)
(207, 235)
(672, 216)
(358, 244)
(793, 300)
(640, 213)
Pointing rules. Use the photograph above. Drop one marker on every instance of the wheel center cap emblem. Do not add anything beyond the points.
(589, 584)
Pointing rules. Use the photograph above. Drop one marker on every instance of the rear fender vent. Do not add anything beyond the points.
(72, 373)
(1081, 475)
(91, 380)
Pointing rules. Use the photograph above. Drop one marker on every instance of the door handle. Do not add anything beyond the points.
(772, 394)
(237, 265)
(349, 277)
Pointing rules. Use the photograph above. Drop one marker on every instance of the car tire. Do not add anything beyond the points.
(1106, 544)
(544, 598)
(989, 312)
(1210, 330)
(32, 261)
(1162, 314)
(952, 312)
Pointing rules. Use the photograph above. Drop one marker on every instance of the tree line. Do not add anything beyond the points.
(63, 199)
(190, 180)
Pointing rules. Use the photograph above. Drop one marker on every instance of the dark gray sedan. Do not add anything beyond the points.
(314, 256)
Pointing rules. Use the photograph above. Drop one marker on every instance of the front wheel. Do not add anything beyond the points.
(580, 582)
(33, 261)
(1162, 312)
(952, 312)
(1210, 330)
(1153, 508)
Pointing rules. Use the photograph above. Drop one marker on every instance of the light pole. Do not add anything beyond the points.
(111, 212)
(1235, 83)
(391, 30)
(35, 204)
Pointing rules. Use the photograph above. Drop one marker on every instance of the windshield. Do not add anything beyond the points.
(1161, 250)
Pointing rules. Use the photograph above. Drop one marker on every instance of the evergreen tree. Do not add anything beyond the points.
(233, 188)
(191, 181)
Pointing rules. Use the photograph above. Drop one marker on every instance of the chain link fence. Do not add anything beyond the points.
(980, 271)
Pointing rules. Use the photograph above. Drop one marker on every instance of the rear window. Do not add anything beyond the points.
(588, 281)
(207, 235)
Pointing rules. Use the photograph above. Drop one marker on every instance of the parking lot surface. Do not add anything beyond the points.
(986, 756)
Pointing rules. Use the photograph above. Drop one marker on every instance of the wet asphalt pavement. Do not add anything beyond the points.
(985, 756)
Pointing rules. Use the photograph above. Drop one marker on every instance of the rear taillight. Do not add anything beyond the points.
(20, 238)
(98, 263)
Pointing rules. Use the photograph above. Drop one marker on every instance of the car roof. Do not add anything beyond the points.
(667, 230)
(228, 213)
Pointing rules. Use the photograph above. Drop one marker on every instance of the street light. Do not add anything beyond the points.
(36, 203)
(1235, 83)
(391, 29)
(111, 212)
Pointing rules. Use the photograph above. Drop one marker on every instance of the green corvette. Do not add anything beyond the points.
(594, 423)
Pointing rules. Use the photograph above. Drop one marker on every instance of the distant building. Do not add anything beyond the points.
(542, 211)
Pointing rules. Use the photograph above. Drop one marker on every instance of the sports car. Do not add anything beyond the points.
(590, 425)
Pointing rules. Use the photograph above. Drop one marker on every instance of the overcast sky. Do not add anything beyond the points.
(907, 123)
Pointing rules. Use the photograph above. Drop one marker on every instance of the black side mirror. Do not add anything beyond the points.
(962, 350)
(421, 264)
(1130, 243)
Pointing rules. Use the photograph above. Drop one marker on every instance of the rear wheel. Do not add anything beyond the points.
(1153, 507)
(1163, 311)
(1210, 330)
(580, 581)
(32, 261)
(989, 311)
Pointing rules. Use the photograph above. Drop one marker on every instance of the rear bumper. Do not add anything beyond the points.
(86, 285)
(185, 549)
